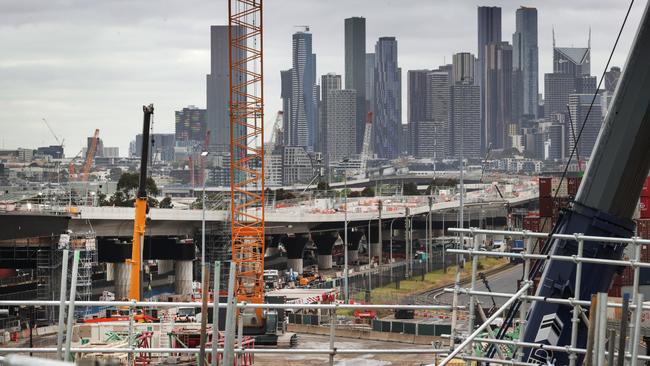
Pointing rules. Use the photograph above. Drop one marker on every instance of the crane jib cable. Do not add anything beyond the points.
(547, 245)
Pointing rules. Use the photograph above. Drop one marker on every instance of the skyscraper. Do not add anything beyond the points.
(417, 95)
(574, 61)
(370, 81)
(355, 73)
(341, 121)
(289, 137)
(190, 124)
(302, 125)
(489, 31)
(465, 113)
(218, 90)
(498, 95)
(328, 82)
(582, 112)
(557, 88)
(388, 99)
(439, 82)
(525, 62)
(418, 106)
(464, 67)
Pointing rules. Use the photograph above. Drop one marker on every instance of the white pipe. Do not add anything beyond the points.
(73, 294)
(64, 286)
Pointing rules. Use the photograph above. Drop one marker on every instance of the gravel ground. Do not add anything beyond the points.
(316, 341)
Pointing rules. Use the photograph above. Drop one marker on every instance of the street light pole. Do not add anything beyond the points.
(345, 238)
(203, 290)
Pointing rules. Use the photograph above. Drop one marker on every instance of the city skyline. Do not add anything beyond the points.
(137, 58)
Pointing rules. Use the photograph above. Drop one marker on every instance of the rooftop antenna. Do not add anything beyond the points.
(553, 30)
(589, 39)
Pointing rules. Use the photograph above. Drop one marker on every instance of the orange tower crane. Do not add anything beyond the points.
(247, 149)
(90, 156)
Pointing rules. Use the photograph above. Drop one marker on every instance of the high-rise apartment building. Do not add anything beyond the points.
(388, 99)
(190, 124)
(341, 120)
(498, 96)
(161, 146)
(302, 124)
(355, 69)
(525, 63)
(328, 82)
(439, 82)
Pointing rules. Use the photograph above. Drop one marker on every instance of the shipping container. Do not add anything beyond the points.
(545, 187)
(531, 223)
(546, 205)
(559, 187)
(573, 183)
(645, 192)
(644, 207)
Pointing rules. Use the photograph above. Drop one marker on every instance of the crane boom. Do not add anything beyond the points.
(140, 219)
(90, 156)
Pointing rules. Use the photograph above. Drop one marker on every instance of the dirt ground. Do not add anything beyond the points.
(317, 341)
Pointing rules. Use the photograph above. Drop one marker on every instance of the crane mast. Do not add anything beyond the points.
(140, 210)
(247, 149)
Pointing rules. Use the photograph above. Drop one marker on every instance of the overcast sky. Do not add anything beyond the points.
(85, 64)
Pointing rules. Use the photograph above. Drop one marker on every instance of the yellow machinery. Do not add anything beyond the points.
(140, 211)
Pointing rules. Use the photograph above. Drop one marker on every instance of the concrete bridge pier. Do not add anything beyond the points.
(272, 244)
(165, 266)
(354, 238)
(183, 282)
(295, 246)
(374, 245)
(122, 277)
(324, 243)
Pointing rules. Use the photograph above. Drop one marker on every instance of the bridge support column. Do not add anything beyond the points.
(183, 282)
(374, 246)
(354, 237)
(122, 277)
(165, 266)
(272, 243)
(324, 244)
(295, 246)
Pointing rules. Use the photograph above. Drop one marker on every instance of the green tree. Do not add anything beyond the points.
(323, 186)
(411, 189)
(368, 192)
(115, 174)
(166, 203)
(129, 182)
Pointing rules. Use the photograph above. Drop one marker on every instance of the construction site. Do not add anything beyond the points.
(492, 269)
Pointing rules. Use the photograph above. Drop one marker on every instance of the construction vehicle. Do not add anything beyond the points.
(141, 206)
(603, 206)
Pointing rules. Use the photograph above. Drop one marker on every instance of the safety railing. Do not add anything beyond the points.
(596, 345)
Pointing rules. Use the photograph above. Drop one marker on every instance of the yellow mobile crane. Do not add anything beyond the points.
(140, 210)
